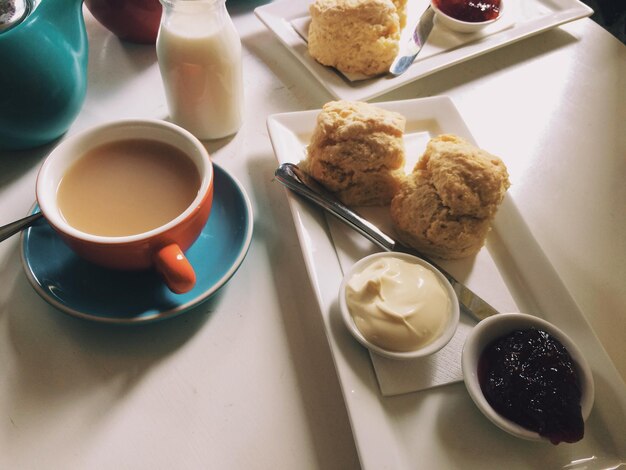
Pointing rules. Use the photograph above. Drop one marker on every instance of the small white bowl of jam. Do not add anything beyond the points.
(466, 16)
(528, 378)
(398, 305)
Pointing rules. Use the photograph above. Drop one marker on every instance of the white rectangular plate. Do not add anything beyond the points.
(441, 427)
(534, 16)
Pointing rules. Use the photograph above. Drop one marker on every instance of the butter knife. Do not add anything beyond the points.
(414, 45)
(292, 177)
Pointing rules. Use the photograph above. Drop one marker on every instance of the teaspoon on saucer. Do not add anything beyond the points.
(14, 227)
(289, 175)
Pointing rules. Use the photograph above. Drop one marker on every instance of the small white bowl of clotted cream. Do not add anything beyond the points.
(398, 305)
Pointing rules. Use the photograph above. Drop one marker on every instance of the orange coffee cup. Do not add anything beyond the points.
(161, 248)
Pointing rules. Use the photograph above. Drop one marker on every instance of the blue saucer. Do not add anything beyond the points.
(84, 290)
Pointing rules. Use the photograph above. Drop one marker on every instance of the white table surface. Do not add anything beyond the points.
(246, 380)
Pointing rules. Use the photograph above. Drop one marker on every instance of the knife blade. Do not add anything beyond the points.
(294, 178)
(413, 46)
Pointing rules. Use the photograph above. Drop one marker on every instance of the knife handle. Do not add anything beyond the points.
(292, 177)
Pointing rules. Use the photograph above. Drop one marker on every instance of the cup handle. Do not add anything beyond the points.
(175, 269)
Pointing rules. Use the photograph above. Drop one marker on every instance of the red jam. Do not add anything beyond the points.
(529, 377)
(473, 11)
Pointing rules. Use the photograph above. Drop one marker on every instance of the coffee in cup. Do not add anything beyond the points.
(127, 187)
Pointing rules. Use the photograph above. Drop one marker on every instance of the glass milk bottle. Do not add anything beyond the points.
(199, 54)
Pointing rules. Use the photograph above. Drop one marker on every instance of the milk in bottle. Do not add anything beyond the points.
(199, 54)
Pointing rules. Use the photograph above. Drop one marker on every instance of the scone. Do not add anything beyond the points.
(401, 10)
(445, 207)
(422, 221)
(469, 180)
(355, 36)
(357, 152)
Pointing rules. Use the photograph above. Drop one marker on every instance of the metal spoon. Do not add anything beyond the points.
(295, 179)
(14, 227)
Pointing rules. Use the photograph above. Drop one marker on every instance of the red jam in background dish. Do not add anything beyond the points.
(473, 11)
(529, 377)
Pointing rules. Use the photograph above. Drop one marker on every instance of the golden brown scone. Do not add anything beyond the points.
(423, 222)
(355, 36)
(469, 180)
(445, 207)
(357, 152)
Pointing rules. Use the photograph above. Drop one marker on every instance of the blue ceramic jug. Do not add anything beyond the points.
(43, 70)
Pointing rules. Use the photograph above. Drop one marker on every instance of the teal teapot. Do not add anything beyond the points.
(43, 70)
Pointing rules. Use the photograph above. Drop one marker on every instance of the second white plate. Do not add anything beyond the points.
(530, 17)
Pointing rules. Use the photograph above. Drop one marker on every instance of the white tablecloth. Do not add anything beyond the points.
(246, 380)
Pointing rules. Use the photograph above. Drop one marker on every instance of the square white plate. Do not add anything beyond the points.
(441, 427)
(532, 17)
